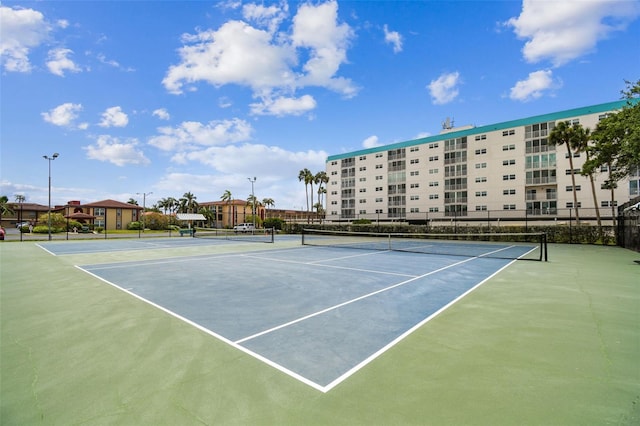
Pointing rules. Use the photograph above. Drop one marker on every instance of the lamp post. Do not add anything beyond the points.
(50, 159)
(253, 199)
(144, 205)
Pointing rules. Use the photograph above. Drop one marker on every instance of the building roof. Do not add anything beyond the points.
(28, 206)
(554, 116)
(113, 204)
(190, 216)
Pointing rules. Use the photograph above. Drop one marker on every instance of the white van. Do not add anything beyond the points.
(244, 227)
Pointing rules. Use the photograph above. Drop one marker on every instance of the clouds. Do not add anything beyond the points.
(192, 135)
(444, 89)
(393, 38)
(63, 115)
(114, 117)
(59, 62)
(115, 151)
(563, 31)
(534, 86)
(560, 32)
(267, 60)
(20, 31)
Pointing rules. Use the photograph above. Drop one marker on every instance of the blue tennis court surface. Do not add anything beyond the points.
(318, 314)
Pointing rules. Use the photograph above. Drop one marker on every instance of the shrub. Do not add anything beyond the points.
(134, 226)
(275, 222)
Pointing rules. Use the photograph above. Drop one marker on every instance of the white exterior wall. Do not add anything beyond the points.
(496, 178)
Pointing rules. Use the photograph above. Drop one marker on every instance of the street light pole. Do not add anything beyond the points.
(253, 199)
(144, 205)
(50, 159)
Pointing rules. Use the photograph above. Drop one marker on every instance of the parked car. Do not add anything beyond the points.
(21, 224)
(1, 233)
(244, 227)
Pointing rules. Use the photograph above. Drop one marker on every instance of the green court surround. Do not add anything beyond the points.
(553, 343)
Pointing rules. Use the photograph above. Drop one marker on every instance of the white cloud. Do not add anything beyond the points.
(284, 106)
(563, 31)
(59, 62)
(63, 115)
(191, 135)
(267, 60)
(161, 113)
(268, 17)
(534, 86)
(445, 88)
(234, 54)
(394, 38)
(114, 151)
(317, 28)
(114, 117)
(20, 31)
(371, 142)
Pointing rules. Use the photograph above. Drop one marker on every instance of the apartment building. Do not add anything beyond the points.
(507, 170)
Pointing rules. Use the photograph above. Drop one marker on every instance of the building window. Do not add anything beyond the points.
(378, 200)
(379, 155)
(508, 162)
(433, 183)
(433, 210)
(362, 169)
(414, 173)
(509, 207)
(415, 185)
(433, 196)
(433, 171)
(414, 161)
(414, 149)
(433, 158)
(414, 210)
(481, 151)
(508, 177)
(433, 145)
(378, 166)
(508, 132)
(481, 165)
(510, 147)
(481, 193)
(481, 137)
(569, 204)
(379, 188)
(481, 208)
(414, 198)
(362, 190)
(508, 192)
(569, 188)
(362, 158)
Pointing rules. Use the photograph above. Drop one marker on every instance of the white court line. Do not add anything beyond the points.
(348, 302)
(315, 263)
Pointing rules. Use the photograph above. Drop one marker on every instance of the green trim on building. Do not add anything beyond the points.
(554, 116)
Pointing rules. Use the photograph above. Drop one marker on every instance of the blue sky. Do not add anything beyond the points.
(169, 97)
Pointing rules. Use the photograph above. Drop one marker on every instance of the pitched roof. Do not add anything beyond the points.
(112, 204)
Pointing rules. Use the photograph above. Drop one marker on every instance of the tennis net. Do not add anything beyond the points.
(259, 235)
(523, 246)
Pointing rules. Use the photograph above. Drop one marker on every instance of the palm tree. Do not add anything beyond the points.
(228, 198)
(163, 204)
(306, 176)
(269, 203)
(321, 178)
(564, 134)
(581, 144)
(5, 209)
(188, 203)
(132, 201)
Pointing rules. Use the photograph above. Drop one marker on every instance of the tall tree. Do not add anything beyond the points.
(617, 142)
(581, 138)
(306, 176)
(228, 198)
(5, 209)
(564, 134)
(188, 203)
(321, 179)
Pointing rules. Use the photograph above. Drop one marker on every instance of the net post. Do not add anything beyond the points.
(302, 233)
(544, 242)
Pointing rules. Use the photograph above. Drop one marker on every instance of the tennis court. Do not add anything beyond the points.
(536, 343)
(316, 313)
